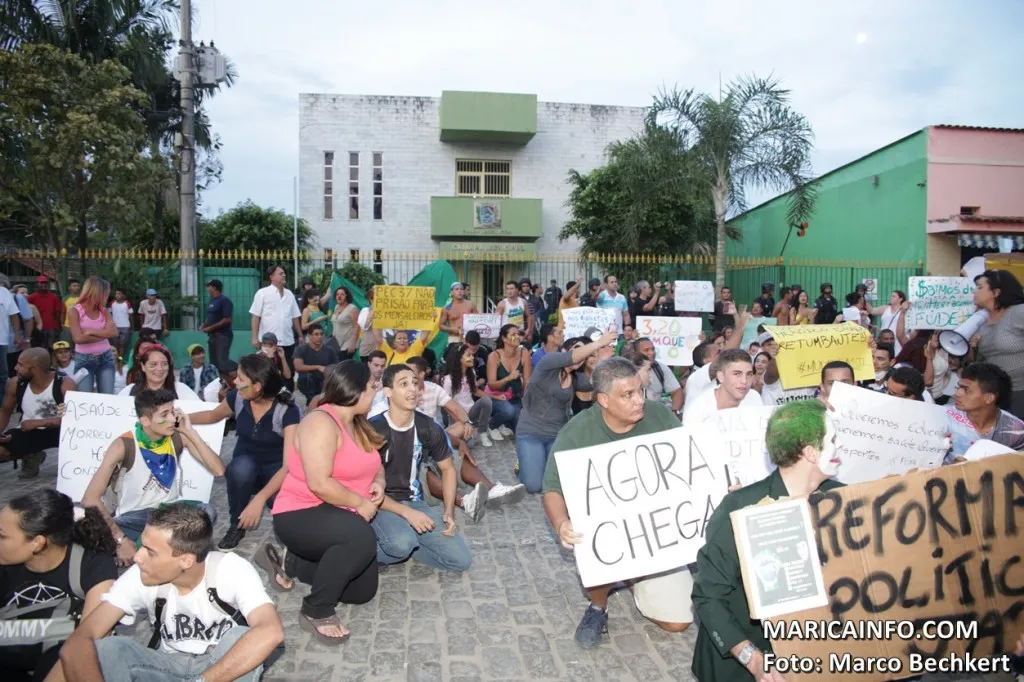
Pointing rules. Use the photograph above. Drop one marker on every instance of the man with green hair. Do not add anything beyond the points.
(801, 441)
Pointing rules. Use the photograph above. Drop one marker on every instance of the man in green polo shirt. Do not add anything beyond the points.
(620, 411)
(730, 646)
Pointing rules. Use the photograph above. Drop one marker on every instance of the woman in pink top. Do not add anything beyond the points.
(334, 485)
(92, 327)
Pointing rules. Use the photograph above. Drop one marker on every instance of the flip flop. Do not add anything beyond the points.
(310, 625)
(270, 561)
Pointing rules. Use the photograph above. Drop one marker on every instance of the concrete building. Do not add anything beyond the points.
(473, 177)
(941, 195)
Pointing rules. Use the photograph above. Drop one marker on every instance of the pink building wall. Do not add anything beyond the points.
(982, 168)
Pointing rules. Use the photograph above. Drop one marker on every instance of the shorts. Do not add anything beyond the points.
(124, 336)
(29, 442)
(665, 597)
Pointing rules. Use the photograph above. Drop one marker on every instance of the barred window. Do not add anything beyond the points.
(353, 185)
(483, 178)
(328, 185)
(378, 186)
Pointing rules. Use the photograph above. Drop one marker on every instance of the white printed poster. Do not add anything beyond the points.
(693, 296)
(939, 302)
(641, 504)
(487, 325)
(91, 423)
(578, 320)
(674, 338)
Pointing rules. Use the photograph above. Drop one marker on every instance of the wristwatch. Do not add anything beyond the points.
(746, 654)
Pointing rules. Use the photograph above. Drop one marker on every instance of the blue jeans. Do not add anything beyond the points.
(122, 659)
(245, 477)
(533, 453)
(397, 541)
(505, 413)
(134, 522)
(101, 370)
(4, 374)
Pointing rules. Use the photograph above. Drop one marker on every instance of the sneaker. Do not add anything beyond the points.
(475, 503)
(231, 538)
(515, 469)
(485, 440)
(505, 494)
(30, 465)
(505, 431)
(591, 627)
(495, 435)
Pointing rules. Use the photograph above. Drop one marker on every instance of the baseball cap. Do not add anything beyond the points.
(270, 338)
(150, 292)
(193, 347)
(61, 345)
(764, 338)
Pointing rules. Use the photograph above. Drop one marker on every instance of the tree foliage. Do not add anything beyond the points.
(251, 227)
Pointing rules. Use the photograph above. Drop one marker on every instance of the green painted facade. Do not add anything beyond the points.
(455, 217)
(873, 208)
(488, 117)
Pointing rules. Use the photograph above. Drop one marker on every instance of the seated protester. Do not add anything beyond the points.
(274, 353)
(311, 360)
(35, 391)
(981, 399)
(735, 375)
(836, 371)
(480, 354)
(730, 646)
(485, 493)
(265, 421)
(508, 374)
(144, 469)
(904, 382)
(63, 361)
(772, 392)
(406, 526)
(56, 561)
(643, 368)
(199, 374)
(551, 339)
(212, 617)
(399, 349)
(156, 371)
(120, 374)
(621, 412)
(664, 385)
(458, 380)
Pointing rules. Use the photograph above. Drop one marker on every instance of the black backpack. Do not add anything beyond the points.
(58, 394)
(55, 628)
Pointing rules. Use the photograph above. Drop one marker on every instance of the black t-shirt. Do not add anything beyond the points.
(722, 320)
(327, 355)
(216, 310)
(403, 453)
(636, 309)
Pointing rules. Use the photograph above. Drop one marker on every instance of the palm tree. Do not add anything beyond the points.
(750, 136)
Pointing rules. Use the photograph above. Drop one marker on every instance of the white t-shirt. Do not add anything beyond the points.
(464, 397)
(276, 311)
(197, 372)
(122, 312)
(191, 623)
(698, 380)
(890, 320)
(184, 392)
(120, 379)
(433, 399)
(617, 303)
(774, 394)
(152, 315)
(211, 393)
(704, 407)
(8, 307)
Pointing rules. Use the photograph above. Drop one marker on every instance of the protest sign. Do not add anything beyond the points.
(674, 338)
(579, 320)
(939, 302)
(693, 296)
(403, 308)
(919, 568)
(872, 285)
(487, 325)
(739, 434)
(776, 547)
(880, 435)
(805, 349)
(91, 423)
(641, 503)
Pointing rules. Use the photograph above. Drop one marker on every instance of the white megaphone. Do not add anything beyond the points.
(958, 341)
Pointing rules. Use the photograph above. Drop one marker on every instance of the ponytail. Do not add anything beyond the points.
(92, 532)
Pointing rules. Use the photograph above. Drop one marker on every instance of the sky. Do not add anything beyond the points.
(864, 73)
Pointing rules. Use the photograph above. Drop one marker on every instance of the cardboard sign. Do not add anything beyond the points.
(403, 308)
(805, 349)
(674, 338)
(487, 325)
(880, 435)
(694, 296)
(928, 549)
(641, 503)
(91, 423)
(939, 302)
(776, 547)
(578, 320)
(739, 432)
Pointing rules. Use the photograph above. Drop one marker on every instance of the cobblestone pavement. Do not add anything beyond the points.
(510, 617)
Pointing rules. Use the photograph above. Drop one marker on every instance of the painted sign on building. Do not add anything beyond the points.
(487, 214)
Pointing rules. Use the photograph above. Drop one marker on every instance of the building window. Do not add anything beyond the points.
(353, 185)
(328, 185)
(483, 178)
(970, 210)
(378, 186)
(378, 261)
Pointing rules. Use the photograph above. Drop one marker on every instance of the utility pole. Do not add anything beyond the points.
(187, 173)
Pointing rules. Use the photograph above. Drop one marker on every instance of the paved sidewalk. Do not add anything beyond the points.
(510, 617)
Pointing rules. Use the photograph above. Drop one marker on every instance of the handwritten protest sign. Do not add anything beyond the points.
(739, 433)
(91, 423)
(579, 320)
(694, 296)
(402, 308)
(937, 553)
(674, 338)
(641, 503)
(805, 349)
(881, 435)
(487, 325)
(939, 302)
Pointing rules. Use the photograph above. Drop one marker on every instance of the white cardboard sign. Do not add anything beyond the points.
(91, 423)
(694, 296)
(487, 325)
(939, 302)
(578, 320)
(739, 433)
(674, 338)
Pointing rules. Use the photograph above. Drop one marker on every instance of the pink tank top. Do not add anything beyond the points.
(91, 325)
(354, 468)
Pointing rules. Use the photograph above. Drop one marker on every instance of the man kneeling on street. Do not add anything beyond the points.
(144, 468)
(213, 620)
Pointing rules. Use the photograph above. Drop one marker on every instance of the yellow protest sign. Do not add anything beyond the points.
(805, 349)
(396, 307)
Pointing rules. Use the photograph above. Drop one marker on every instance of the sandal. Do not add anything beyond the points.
(313, 625)
(270, 561)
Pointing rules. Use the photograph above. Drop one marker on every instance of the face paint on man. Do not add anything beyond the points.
(828, 460)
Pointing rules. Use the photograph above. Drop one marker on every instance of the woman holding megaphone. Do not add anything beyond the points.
(1000, 340)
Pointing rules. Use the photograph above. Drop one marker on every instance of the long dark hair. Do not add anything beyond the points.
(140, 376)
(262, 371)
(1010, 291)
(348, 296)
(500, 343)
(454, 370)
(343, 386)
(51, 514)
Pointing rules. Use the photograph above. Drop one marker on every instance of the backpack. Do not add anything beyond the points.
(162, 592)
(55, 628)
(277, 418)
(58, 394)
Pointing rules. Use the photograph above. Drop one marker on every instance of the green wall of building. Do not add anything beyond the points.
(854, 218)
(452, 217)
(488, 117)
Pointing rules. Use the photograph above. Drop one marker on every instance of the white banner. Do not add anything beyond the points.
(92, 421)
(578, 320)
(487, 325)
(641, 504)
(694, 296)
(739, 433)
(939, 302)
(674, 338)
